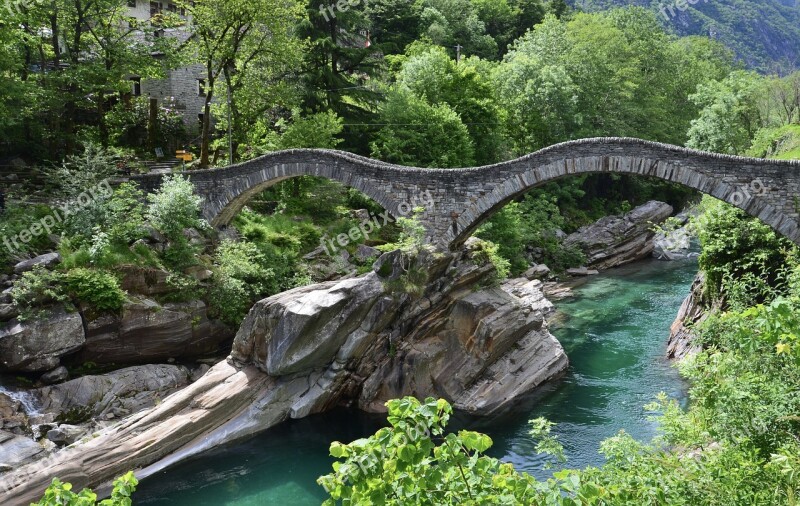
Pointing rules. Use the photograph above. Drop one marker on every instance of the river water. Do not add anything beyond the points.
(614, 332)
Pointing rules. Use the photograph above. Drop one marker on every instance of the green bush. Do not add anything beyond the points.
(744, 260)
(99, 289)
(19, 218)
(174, 207)
(37, 288)
(125, 211)
(118, 219)
(529, 225)
(61, 494)
(241, 276)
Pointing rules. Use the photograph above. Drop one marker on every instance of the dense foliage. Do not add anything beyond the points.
(381, 79)
(432, 83)
(739, 438)
(764, 33)
(61, 494)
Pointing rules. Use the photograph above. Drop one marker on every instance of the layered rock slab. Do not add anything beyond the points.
(616, 240)
(39, 344)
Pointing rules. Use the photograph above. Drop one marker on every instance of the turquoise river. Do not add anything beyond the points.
(614, 332)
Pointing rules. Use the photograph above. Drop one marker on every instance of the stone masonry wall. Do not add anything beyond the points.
(464, 198)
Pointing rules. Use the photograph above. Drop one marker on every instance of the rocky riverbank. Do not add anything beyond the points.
(356, 341)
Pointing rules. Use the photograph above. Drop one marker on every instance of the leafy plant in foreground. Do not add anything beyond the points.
(61, 494)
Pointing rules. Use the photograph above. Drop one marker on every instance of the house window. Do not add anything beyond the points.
(132, 3)
(172, 8)
(155, 8)
(136, 86)
(201, 87)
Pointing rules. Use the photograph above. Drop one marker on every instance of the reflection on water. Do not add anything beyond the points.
(614, 332)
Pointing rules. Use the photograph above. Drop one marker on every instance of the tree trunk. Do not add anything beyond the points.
(206, 133)
(235, 114)
(152, 125)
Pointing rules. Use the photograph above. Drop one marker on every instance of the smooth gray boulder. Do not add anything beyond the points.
(7, 312)
(57, 375)
(47, 260)
(125, 391)
(38, 345)
(302, 329)
(66, 434)
(364, 252)
(17, 450)
(537, 271)
(617, 240)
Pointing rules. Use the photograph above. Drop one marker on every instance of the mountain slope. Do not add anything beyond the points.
(765, 34)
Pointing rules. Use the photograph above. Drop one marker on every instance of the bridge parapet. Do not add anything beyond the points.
(464, 198)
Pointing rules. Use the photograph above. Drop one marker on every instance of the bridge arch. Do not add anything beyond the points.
(747, 196)
(227, 190)
(464, 198)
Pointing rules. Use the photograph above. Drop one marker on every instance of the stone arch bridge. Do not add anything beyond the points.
(463, 198)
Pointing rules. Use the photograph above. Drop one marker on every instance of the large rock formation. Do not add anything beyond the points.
(480, 350)
(145, 332)
(354, 341)
(39, 344)
(617, 240)
(484, 353)
(692, 312)
(148, 332)
(119, 393)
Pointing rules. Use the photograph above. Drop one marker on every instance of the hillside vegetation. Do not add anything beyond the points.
(765, 34)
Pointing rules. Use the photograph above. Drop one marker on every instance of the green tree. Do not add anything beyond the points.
(394, 24)
(419, 134)
(436, 78)
(339, 67)
(174, 207)
(729, 117)
(72, 59)
(451, 23)
(229, 40)
(500, 20)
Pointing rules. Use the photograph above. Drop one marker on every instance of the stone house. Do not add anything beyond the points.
(184, 86)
